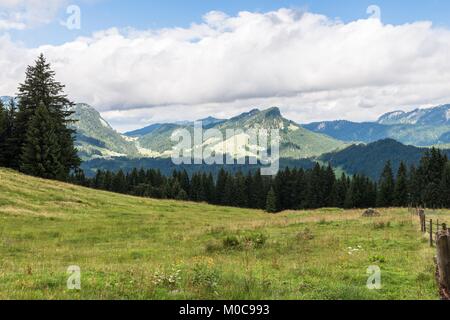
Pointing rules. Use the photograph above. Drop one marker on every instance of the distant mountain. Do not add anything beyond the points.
(95, 138)
(6, 99)
(370, 159)
(436, 116)
(296, 141)
(211, 121)
(351, 131)
(207, 122)
(143, 131)
(326, 141)
(421, 127)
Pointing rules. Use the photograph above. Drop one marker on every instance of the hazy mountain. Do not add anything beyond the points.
(439, 115)
(143, 131)
(6, 99)
(207, 122)
(351, 131)
(421, 127)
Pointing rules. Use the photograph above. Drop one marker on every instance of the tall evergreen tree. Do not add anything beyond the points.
(271, 204)
(221, 186)
(329, 182)
(414, 186)
(10, 148)
(3, 136)
(386, 187)
(445, 187)
(41, 152)
(118, 183)
(401, 194)
(40, 87)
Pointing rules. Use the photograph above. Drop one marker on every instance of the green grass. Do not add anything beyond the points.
(134, 248)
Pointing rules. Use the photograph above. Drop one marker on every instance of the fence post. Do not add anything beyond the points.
(443, 258)
(422, 220)
(431, 232)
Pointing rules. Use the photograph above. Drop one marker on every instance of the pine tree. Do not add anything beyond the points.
(401, 194)
(3, 135)
(386, 187)
(315, 196)
(329, 183)
(220, 187)
(182, 195)
(229, 198)
(41, 153)
(10, 148)
(241, 194)
(340, 191)
(445, 187)
(39, 88)
(414, 186)
(119, 182)
(271, 204)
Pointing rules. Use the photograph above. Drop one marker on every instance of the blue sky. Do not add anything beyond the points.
(315, 60)
(154, 14)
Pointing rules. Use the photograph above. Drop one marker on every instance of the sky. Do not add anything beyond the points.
(141, 62)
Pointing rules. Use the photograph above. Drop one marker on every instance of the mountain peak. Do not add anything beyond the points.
(391, 117)
(273, 112)
(430, 116)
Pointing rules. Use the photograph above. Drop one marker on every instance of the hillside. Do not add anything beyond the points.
(95, 138)
(370, 159)
(134, 248)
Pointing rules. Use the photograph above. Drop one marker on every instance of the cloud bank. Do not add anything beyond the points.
(22, 14)
(312, 66)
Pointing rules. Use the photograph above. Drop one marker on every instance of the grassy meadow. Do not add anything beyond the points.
(134, 248)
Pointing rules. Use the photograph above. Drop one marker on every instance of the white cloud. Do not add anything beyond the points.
(21, 14)
(313, 67)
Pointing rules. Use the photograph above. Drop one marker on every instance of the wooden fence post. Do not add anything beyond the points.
(431, 232)
(443, 259)
(422, 221)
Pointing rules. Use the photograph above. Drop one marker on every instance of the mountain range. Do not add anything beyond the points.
(97, 139)
(351, 146)
(421, 127)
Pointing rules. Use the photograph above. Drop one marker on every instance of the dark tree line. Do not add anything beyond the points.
(427, 185)
(34, 134)
(290, 189)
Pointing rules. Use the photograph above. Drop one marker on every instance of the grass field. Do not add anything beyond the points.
(133, 248)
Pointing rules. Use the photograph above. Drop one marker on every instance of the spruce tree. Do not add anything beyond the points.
(40, 87)
(10, 148)
(41, 152)
(3, 136)
(445, 187)
(119, 182)
(329, 185)
(182, 195)
(386, 187)
(401, 194)
(271, 203)
(340, 191)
